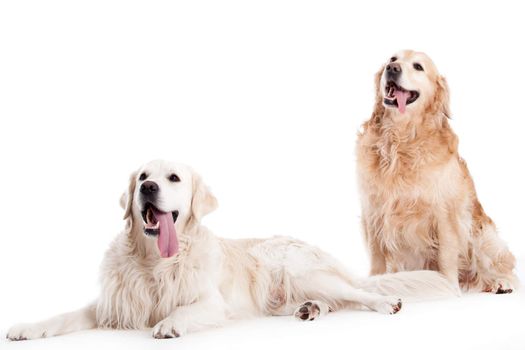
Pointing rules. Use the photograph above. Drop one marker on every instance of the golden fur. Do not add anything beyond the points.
(419, 204)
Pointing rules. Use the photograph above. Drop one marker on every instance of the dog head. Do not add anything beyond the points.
(163, 198)
(410, 83)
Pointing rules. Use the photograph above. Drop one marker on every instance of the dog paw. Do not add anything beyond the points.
(308, 311)
(165, 329)
(26, 331)
(389, 306)
(500, 286)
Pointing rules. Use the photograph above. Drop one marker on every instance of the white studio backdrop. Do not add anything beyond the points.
(263, 98)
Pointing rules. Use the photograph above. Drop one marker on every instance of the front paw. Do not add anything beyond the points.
(26, 331)
(166, 329)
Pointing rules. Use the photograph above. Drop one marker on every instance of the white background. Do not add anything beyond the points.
(264, 99)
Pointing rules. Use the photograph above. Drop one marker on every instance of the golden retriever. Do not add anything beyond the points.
(419, 204)
(167, 271)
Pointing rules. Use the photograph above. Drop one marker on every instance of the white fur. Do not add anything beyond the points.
(212, 279)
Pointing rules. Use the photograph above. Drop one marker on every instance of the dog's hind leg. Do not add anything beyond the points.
(336, 291)
(494, 263)
(66, 323)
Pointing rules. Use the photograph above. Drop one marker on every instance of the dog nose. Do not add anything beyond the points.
(149, 188)
(393, 70)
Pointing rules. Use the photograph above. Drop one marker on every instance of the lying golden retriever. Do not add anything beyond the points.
(169, 272)
(419, 204)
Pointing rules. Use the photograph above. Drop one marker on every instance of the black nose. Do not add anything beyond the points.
(149, 188)
(393, 70)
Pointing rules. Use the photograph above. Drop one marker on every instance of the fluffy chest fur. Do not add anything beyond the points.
(139, 292)
(408, 176)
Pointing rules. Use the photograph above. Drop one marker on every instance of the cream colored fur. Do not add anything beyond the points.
(212, 280)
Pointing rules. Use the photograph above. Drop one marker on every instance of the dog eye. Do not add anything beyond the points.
(173, 178)
(417, 66)
(143, 176)
(393, 59)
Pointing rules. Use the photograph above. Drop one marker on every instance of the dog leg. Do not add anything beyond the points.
(66, 323)
(377, 258)
(380, 303)
(209, 312)
(495, 263)
(378, 261)
(338, 291)
(448, 253)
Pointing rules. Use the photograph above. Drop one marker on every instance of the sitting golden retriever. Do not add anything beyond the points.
(419, 204)
(169, 272)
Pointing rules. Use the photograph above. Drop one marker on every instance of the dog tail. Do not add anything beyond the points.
(411, 285)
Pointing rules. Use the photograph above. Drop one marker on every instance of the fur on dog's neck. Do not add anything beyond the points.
(411, 124)
(399, 145)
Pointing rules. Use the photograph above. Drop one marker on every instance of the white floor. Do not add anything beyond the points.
(475, 321)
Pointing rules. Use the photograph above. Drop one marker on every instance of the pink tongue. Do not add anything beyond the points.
(401, 97)
(167, 241)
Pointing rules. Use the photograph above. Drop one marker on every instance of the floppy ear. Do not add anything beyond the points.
(126, 200)
(203, 201)
(379, 109)
(441, 98)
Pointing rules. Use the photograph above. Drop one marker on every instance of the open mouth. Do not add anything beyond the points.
(150, 216)
(398, 97)
(161, 225)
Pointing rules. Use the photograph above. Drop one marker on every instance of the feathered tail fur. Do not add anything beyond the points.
(410, 285)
